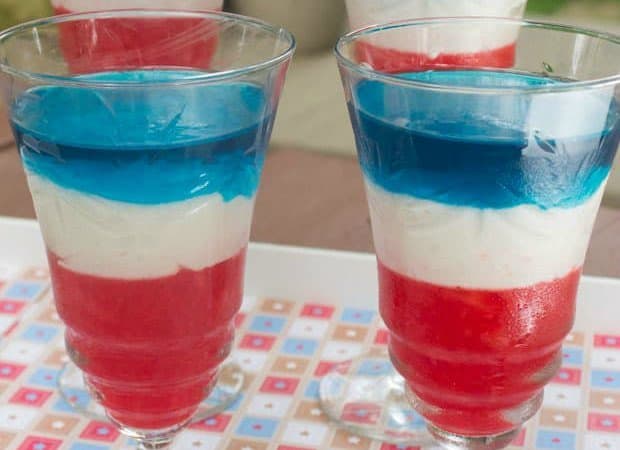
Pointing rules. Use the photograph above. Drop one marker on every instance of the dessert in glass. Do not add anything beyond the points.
(483, 183)
(143, 181)
(396, 55)
(128, 36)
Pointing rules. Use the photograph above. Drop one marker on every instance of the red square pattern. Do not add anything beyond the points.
(239, 319)
(396, 447)
(10, 371)
(606, 340)
(279, 385)
(317, 311)
(367, 413)
(257, 342)
(288, 447)
(567, 376)
(40, 443)
(323, 367)
(11, 306)
(215, 424)
(100, 431)
(604, 422)
(382, 336)
(30, 397)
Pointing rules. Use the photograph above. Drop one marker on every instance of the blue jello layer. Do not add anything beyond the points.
(145, 145)
(484, 151)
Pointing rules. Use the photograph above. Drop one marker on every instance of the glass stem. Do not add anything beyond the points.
(154, 444)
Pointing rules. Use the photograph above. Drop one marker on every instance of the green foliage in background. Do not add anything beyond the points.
(15, 11)
(607, 9)
(545, 6)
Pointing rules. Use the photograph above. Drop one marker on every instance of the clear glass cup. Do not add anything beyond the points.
(143, 180)
(395, 55)
(127, 35)
(117, 37)
(483, 183)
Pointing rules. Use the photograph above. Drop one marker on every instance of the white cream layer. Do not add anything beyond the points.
(106, 5)
(107, 238)
(441, 40)
(476, 248)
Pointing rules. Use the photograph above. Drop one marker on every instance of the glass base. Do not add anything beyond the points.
(453, 441)
(74, 391)
(368, 398)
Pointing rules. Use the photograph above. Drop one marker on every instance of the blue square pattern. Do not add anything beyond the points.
(44, 377)
(360, 316)
(572, 356)
(257, 427)
(39, 333)
(408, 418)
(560, 440)
(267, 324)
(24, 290)
(312, 390)
(375, 368)
(85, 446)
(607, 379)
(305, 347)
(216, 398)
(81, 397)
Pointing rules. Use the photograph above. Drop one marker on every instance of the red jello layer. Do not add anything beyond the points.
(391, 60)
(150, 347)
(124, 44)
(473, 355)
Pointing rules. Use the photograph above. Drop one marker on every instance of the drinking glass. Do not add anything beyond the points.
(143, 179)
(483, 183)
(128, 35)
(396, 55)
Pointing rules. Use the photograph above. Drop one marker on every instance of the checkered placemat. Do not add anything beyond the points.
(284, 347)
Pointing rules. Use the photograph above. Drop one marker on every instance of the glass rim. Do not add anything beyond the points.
(206, 77)
(370, 73)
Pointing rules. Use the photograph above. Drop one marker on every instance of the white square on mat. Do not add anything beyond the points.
(15, 417)
(308, 328)
(340, 350)
(22, 352)
(304, 433)
(8, 271)
(196, 440)
(601, 441)
(250, 361)
(605, 358)
(269, 405)
(6, 321)
(557, 396)
(248, 303)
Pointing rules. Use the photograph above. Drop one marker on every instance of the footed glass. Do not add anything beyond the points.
(483, 177)
(143, 171)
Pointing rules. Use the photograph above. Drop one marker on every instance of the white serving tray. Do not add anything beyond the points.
(308, 274)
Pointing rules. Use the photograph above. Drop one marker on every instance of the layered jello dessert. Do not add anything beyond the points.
(145, 199)
(482, 208)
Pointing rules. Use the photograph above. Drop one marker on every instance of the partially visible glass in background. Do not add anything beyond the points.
(491, 49)
(89, 47)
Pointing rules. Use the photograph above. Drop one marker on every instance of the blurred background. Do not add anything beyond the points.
(312, 113)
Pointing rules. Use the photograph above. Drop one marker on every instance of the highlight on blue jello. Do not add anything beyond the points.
(490, 151)
(145, 145)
